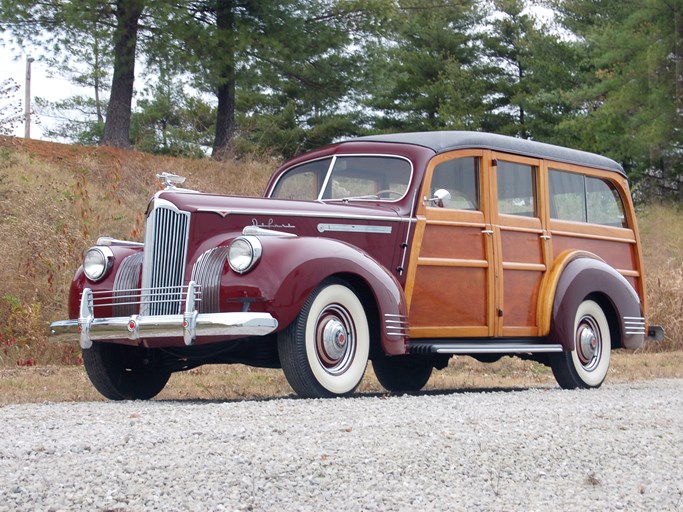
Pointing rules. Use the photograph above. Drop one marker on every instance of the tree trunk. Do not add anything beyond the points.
(117, 125)
(225, 92)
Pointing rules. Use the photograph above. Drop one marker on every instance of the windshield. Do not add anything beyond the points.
(372, 178)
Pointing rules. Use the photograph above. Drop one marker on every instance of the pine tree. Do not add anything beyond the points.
(633, 92)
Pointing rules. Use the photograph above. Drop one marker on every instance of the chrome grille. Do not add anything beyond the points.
(163, 269)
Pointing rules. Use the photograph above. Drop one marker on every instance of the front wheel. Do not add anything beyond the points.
(122, 372)
(586, 366)
(324, 352)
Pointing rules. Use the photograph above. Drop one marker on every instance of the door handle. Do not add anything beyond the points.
(487, 231)
(545, 237)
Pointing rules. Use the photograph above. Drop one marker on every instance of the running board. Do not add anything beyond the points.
(482, 347)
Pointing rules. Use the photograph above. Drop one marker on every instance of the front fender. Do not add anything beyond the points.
(583, 275)
(291, 268)
(79, 282)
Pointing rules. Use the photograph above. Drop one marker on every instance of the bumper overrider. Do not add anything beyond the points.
(189, 325)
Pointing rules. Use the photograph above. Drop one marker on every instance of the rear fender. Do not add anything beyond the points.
(579, 275)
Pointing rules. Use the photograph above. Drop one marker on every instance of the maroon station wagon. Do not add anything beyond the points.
(398, 249)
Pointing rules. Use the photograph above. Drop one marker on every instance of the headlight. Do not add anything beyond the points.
(97, 262)
(244, 253)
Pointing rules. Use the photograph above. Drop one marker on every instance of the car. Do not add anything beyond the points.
(400, 249)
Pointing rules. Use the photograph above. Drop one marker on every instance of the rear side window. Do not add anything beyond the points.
(578, 198)
(604, 204)
(568, 196)
(516, 186)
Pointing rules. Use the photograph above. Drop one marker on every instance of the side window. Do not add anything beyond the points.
(516, 185)
(579, 198)
(460, 177)
(567, 196)
(604, 204)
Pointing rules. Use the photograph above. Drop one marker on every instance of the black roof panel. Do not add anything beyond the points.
(441, 141)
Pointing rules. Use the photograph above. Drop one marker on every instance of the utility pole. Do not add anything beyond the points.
(27, 101)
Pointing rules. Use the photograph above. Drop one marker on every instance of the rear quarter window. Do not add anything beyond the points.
(578, 198)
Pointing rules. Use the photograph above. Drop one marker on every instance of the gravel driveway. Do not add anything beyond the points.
(616, 448)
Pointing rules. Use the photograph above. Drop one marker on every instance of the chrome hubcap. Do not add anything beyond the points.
(335, 340)
(588, 343)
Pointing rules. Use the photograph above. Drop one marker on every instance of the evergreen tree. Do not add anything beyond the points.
(170, 121)
(425, 74)
(633, 93)
(531, 71)
(288, 67)
(61, 26)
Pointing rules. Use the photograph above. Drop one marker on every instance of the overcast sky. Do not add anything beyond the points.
(41, 85)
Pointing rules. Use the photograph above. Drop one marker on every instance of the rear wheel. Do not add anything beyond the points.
(324, 352)
(122, 372)
(402, 373)
(586, 366)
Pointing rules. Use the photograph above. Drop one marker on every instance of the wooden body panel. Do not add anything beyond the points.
(483, 273)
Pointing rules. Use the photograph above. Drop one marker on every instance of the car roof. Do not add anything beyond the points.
(441, 141)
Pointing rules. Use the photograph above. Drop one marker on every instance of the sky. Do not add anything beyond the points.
(42, 85)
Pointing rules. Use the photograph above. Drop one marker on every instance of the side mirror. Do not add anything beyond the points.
(442, 198)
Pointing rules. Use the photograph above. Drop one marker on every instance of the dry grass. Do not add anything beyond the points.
(661, 230)
(237, 382)
(55, 201)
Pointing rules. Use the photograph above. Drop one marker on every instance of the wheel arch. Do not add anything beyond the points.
(299, 265)
(577, 276)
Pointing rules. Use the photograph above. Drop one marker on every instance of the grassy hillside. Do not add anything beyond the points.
(56, 200)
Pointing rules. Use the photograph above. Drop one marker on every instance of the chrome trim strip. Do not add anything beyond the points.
(634, 326)
(489, 348)
(275, 213)
(396, 325)
(354, 228)
(109, 241)
(258, 231)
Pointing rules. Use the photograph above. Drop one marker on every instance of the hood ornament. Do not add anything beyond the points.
(170, 180)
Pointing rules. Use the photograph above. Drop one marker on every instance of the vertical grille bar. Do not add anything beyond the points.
(165, 258)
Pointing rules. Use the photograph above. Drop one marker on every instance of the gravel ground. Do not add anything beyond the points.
(616, 448)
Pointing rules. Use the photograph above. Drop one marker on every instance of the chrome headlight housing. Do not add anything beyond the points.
(97, 262)
(244, 253)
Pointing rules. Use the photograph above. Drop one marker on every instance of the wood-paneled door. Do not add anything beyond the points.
(522, 242)
(451, 278)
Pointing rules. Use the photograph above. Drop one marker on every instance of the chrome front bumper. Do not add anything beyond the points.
(189, 325)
